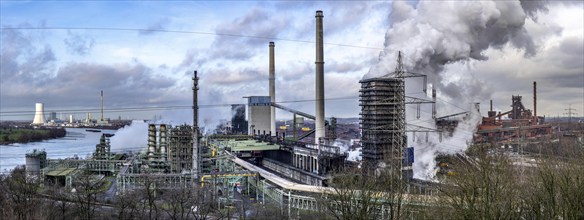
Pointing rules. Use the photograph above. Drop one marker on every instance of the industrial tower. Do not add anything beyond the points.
(383, 120)
(196, 147)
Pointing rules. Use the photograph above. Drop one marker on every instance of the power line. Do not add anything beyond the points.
(569, 112)
(154, 108)
(184, 32)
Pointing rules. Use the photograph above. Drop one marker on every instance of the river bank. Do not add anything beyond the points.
(26, 135)
(77, 142)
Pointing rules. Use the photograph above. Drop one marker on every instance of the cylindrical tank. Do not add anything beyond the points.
(33, 164)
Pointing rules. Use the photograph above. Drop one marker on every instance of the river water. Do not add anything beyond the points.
(77, 142)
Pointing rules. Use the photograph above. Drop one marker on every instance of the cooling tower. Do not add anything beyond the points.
(39, 115)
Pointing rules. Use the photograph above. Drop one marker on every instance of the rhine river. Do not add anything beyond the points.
(77, 142)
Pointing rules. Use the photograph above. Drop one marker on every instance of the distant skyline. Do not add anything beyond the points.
(62, 53)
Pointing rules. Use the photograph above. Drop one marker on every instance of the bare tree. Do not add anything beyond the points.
(59, 202)
(556, 191)
(203, 205)
(483, 187)
(126, 204)
(150, 193)
(271, 212)
(22, 193)
(6, 210)
(85, 193)
(358, 196)
(179, 201)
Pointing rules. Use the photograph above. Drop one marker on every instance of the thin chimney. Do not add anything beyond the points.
(535, 101)
(319, 122)
(272, 85)
(101, 99)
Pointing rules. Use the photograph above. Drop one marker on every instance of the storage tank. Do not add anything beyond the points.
(35, 161)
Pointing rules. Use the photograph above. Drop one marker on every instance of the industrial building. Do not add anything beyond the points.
(383, 121)
(102, 150)
(35, 161)
(282, 167)
(259, 110)
(521, 125)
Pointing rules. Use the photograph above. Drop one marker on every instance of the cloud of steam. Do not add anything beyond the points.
(439, 39)
(133, 137)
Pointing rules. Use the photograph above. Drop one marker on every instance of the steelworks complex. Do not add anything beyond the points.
(283, 167)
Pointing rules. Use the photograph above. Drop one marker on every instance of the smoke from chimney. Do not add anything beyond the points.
(437, 37)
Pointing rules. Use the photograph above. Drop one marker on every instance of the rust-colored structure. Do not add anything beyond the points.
(521, 124)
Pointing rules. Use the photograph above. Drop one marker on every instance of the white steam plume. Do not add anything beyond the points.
(438, 39)
(133, 137)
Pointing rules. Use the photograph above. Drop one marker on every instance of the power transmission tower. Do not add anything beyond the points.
(570, 112)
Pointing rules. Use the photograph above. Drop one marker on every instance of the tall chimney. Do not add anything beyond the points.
(433, 102)
(195, 166)
(535, 101)
(272, 90)
(319, 122)
(491, 108)
(101, 99)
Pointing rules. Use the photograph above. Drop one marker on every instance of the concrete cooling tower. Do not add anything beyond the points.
(39, 115)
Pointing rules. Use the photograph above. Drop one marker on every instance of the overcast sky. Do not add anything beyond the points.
(64, 53)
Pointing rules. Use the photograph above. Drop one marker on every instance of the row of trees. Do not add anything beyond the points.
(23, 197)
(489, 184)
(24, 135)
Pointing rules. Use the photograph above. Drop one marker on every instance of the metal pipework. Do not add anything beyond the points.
(162, 141)
(320, 130)
(151, 141)
(272, 70)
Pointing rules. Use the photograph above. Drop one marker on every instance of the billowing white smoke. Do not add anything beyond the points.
(133, 137)
(440, 39)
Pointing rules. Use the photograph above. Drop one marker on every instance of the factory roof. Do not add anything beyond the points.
(250, 145)
(61, 172)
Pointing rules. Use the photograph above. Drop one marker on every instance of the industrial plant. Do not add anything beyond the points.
(295, 166)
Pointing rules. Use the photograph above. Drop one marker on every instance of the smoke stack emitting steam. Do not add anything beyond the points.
(437, 35)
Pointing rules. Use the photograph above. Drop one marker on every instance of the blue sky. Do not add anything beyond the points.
(66, 68)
